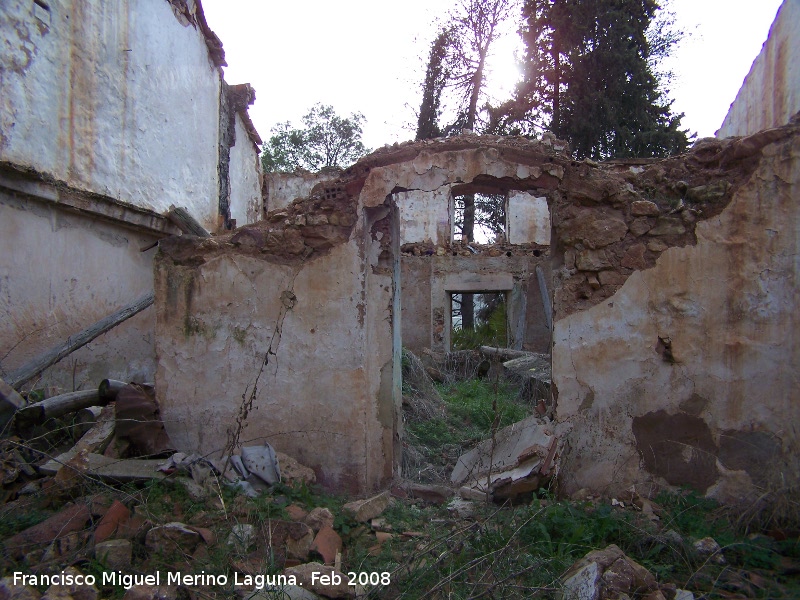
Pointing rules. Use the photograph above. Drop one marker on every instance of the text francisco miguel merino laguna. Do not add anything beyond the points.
(126, 581)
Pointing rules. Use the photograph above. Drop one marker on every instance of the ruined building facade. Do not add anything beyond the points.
(110, 113)
(673, 286)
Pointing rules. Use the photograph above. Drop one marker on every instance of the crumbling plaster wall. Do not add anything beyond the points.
(674, 284)
(245, 169)
(314, 288)
(41, 307)
(117, 98)
(770, 94)
(281, 189)
(685, 374)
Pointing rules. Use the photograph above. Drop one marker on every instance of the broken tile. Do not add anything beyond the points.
(327, 544)
(111, 520)
(70, 519)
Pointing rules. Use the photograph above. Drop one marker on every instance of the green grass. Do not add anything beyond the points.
(471, 409)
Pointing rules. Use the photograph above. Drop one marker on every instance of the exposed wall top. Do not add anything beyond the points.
(770, 94)
(120, 99)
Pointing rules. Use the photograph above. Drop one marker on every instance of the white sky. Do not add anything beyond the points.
(369, 56)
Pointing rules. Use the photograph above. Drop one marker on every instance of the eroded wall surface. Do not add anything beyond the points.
(316, 290)
(110, 112)
(674, 285)
(245, 169)
(686, 374)
(60, 273)
(112, 97)
(770, 94)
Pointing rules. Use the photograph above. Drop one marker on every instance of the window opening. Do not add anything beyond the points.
(489, 324)
(487, 223)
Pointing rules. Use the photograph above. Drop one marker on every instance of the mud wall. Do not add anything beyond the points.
(316, 290)
(309, 342)
(685, 374)
(770, 94)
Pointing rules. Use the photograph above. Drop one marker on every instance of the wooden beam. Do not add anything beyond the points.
(58, 406)
(30, 370)
(186, 222)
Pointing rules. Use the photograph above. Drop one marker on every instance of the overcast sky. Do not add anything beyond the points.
(368, 56)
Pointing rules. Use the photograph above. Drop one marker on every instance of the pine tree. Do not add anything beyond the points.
(589, 78)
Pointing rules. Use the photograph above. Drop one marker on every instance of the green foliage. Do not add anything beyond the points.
(457, 63)
(469, 415)
(13, 523)
(326, 141)
(591, 77)
(489, 329)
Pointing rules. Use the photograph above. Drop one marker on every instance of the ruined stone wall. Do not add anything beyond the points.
(427, 282)
(294, 316)
(675, 346)
(281, 189)
(770, 94)
(316, 288)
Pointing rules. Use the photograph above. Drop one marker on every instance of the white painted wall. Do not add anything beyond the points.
(62, 272)
(245, 168)
(284, 188)
(424, 216)
(116, 97)
(528, 219)
(770, 94)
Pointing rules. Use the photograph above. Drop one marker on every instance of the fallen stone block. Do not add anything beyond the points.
(522, 459)
(292, 472)
(319, 518)
(114, 554)
(172, 536)
(366, 510)
(606, 574)
(435, 494)
(299, 541)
